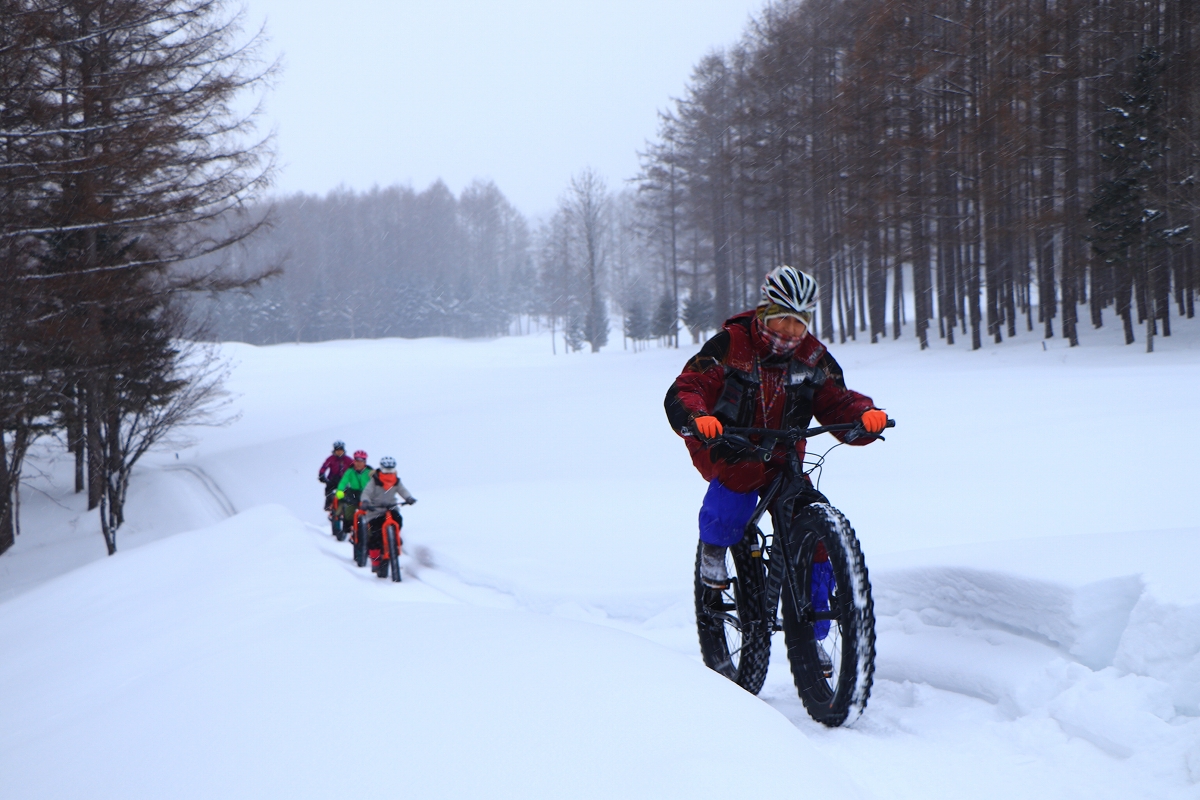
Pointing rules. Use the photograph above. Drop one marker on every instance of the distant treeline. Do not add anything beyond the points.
(1021, 160)
(389, 262)
(401, 262)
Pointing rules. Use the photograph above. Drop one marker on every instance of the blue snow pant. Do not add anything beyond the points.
(723, 517)
(822, 585)
(724, 514)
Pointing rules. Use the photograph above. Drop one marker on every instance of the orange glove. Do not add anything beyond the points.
(874, 420)
(708, 427)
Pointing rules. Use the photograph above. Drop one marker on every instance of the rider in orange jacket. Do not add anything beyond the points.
(382, 494)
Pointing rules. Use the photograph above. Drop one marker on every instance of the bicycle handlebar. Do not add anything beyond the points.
(799, 433)
(737, 437)
(793, 433)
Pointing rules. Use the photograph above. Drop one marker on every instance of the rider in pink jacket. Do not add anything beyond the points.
(331, 471)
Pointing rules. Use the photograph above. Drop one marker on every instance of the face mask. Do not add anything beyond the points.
(778, 343)
(388, 479)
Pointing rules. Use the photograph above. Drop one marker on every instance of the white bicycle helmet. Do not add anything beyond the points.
(790, 289)
(387, 462)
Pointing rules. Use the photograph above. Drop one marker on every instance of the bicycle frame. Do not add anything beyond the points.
(813, 586)
(780, 499)
(383, 528)
(358, 515)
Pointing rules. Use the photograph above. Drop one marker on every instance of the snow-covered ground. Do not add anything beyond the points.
(1030, 527)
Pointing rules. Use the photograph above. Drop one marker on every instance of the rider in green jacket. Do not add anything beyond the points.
(350, 487)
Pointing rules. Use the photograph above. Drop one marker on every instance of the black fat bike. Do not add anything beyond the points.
(811, 569)
(337, 524)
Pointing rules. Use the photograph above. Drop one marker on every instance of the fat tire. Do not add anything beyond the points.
(732, 614)
(832, 704)
(360, 544)
(394, 552)
(339, 530)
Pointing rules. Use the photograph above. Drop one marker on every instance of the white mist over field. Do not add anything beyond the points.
(1030, 529)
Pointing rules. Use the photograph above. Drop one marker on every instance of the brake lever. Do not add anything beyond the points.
(707, 440)
(740, 444)
(859, 432)
(734, 440)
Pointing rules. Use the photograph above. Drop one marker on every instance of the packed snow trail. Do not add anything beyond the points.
(1029, 643)
(253, 660)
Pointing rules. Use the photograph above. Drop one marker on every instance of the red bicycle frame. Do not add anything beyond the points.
(390, 521)
(358, 514)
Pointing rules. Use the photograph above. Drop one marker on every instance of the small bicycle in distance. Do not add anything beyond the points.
(336, 523)
(392, 542)
(358, 537)
(813, 568)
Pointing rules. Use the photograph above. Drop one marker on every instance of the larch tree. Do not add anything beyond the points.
(144, 169)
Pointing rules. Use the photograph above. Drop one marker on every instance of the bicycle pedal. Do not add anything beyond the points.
(826, 662)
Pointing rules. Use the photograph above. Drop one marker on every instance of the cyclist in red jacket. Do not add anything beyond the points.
(761, 370)
(331, 471)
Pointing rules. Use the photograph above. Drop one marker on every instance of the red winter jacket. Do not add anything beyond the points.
(335, 466)
(736, 378)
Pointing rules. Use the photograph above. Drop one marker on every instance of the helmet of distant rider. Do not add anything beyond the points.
(360, 455)
(793, 292)
(387, 462)
(339, 445)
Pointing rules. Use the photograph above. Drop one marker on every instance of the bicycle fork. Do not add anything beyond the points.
(781, 561)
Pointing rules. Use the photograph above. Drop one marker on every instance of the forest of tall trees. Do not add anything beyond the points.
(1005, 164)
(970, 167)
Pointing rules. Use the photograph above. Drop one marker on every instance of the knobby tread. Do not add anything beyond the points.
(394, 553)
(750, 669)
(856, 675)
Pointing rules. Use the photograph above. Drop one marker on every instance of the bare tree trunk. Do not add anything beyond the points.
(76, 442)
(95, 446)
(8, 530)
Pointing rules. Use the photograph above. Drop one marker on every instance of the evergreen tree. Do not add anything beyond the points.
(666, 322)
(698, 313)
(595, 324)
(127, 114)
(574, 332)
(637, 323)
(1130, 224)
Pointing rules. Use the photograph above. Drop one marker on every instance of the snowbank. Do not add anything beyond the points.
(253, 660)
(1100, 634)
(1128, 600)
(1014, 660)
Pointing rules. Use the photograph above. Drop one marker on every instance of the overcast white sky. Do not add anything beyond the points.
(525, 92)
